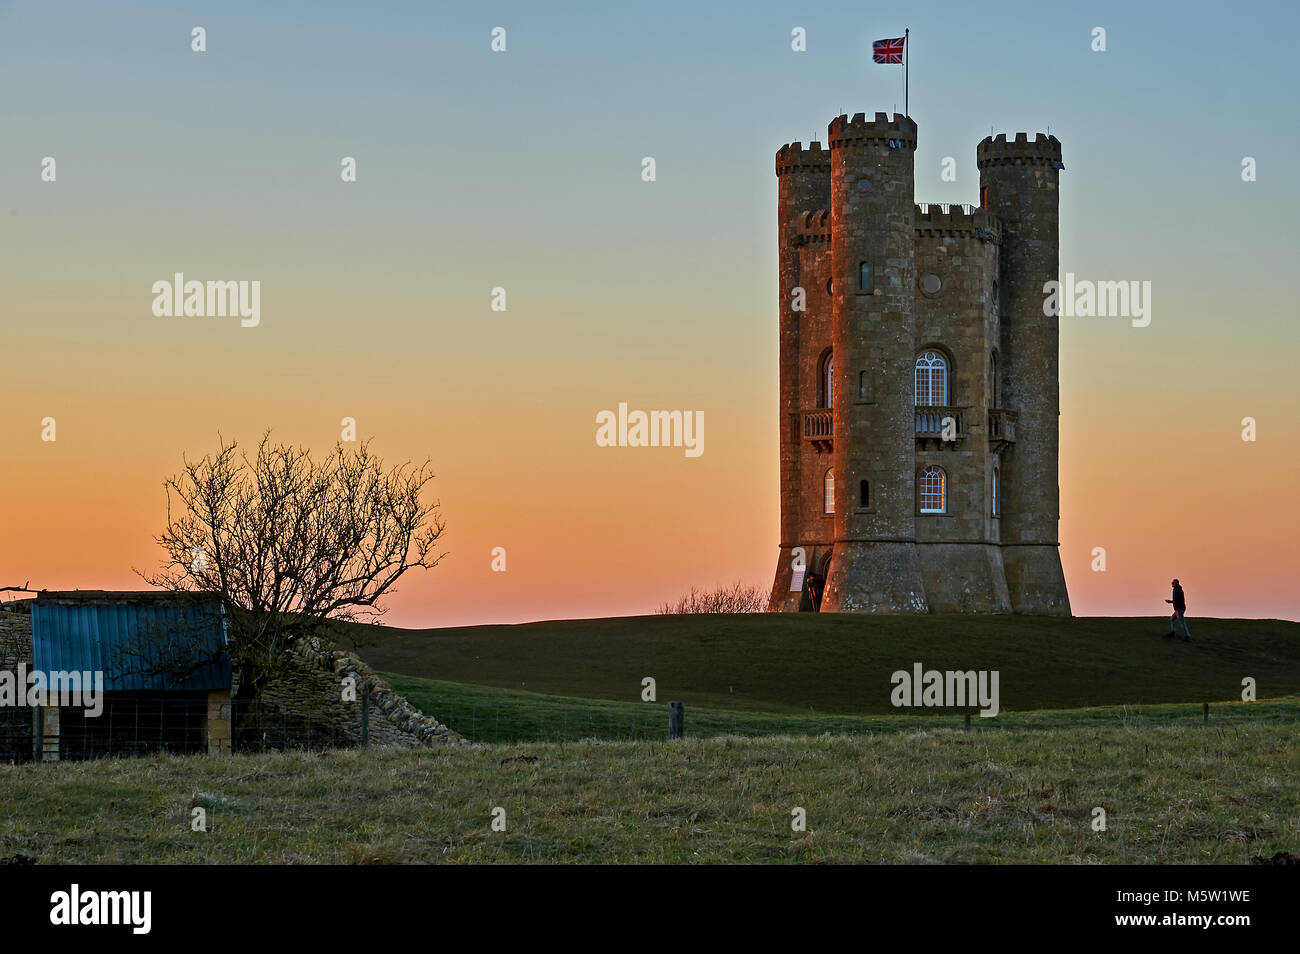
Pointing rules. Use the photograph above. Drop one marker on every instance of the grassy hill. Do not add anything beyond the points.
(840, 664)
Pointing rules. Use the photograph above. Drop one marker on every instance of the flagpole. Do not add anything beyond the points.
(906, 78)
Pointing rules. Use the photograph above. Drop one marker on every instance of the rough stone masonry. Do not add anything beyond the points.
(918, 378)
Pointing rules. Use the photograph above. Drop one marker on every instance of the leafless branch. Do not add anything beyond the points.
(291, 543)
(736, 598)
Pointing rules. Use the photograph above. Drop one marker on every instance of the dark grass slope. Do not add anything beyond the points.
(839, 663)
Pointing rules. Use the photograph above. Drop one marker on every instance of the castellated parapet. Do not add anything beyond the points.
(918, 378)
(996, 150)
(794, 157)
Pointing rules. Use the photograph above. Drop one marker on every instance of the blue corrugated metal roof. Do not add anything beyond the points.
(154, 642)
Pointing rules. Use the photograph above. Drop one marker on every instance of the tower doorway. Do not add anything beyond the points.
(814, 586)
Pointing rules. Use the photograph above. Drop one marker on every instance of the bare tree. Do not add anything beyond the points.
(291, 544)
(736, 598)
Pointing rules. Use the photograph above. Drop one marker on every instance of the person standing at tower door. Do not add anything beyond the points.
(1180, 608)
(810, 601)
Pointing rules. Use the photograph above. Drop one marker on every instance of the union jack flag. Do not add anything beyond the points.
(888, 51)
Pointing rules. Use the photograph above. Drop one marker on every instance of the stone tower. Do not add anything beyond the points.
(919, 393)
(1018, 183)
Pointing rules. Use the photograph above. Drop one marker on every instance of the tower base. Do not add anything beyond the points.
(874, 578)
(1035, 579)
(964, 577)
(783, 599)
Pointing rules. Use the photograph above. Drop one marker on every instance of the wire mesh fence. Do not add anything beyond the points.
(513, 722)
(141, 726)
(256, 726)
(547, 723)
(17, 739)
(133, 726)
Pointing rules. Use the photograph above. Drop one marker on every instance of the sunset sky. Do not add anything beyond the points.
(522, 170)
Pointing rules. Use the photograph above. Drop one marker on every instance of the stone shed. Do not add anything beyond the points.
(161, 663)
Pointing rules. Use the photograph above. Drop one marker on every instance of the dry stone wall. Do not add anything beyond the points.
(15, 635)
(311, 689)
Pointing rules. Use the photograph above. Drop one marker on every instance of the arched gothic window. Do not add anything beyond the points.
(830, 491)
(934, 490)
(931, 379)
(827, 383)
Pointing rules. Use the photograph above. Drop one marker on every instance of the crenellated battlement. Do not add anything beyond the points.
(998, 151)
(815, 225)
(844, 131)
(794, 156)
(950, 219)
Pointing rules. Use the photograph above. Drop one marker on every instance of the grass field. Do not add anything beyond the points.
(840, 665)
(1171, 795)
(782, 712)
(489, 714)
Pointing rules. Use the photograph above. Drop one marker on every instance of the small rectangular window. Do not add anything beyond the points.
(864, 276)
(864, 494)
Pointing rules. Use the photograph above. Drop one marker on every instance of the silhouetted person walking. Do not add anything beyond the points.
(1178, 619)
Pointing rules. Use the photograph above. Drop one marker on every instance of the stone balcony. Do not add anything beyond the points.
(1002, 427)
(937, 425)
(818, 428)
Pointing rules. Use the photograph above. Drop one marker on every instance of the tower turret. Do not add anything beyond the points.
(803, 186)
(875, 566)
(1018, 183)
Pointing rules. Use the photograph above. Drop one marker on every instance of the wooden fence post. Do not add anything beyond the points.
(676, 720)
